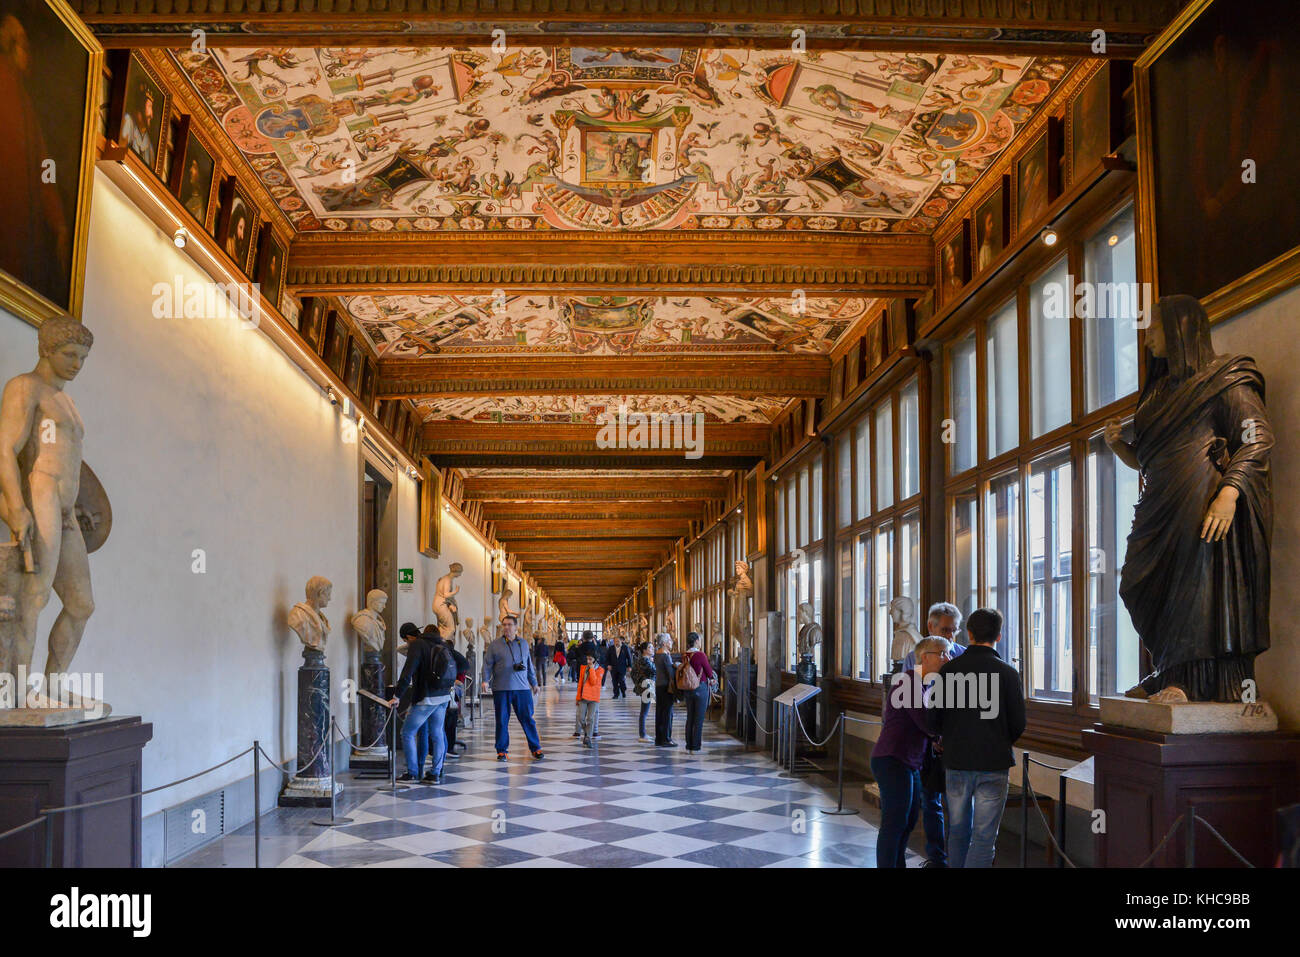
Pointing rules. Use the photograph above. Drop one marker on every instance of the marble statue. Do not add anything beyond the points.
(809, 635)
(503, 604)
(444, 601)
(670, 621)
(42, 484)
(1195, 578)
(739, 594)
(716, 638)
(306, 618)
(526, 625)
(902, 612)
(369, 622)
(467, 633)
(485, 631)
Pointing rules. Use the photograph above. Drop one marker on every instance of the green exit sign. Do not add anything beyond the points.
(406, 576)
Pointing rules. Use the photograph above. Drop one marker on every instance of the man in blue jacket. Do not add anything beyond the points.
(509, 675)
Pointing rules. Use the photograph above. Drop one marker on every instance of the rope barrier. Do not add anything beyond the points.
(280, 765)
(1052, 767)
(388, 714)
(849, 717)
(1178, 822)
(815, 744)
(22, 827)
(748, 707)
(1050, 836)
(1220, 838)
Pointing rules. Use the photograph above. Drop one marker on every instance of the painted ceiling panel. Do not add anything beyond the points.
(597, 409)
(608, 139)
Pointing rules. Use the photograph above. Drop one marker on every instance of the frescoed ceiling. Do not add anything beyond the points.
(412, 326)
(421, 139)
(597, 409)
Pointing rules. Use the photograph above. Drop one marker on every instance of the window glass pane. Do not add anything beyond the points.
(791, 511)
(885, 455)
(1110, 358)
(781, 547)
(816, 499)
(844, 464)
(862, 456)
(1051, 674)
(1049, 349)
(861, 604)
(791, 610)
(805, 506)
(909, 427)
(818, 568)
(846, 609)
(884, 568)
(965, 526)
(1002, 559)
(909, 544)
(1114, 655)
(961, 395)
(1003, 391)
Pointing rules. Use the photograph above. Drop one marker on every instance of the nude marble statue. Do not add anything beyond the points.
(740, 593)
(503, 604)
(307, 619)
(444, 601)
(369, 622)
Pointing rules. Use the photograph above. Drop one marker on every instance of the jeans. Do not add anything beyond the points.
(540, 668)
(900, 803)
(975, 803)
(936, 846)
(522, 704)
(559, 672)
(663, 716)
(416, 734)
(697, 703)
(620, 684)
(645, 707)
(587, 711)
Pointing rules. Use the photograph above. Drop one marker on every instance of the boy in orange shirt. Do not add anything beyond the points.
(590, 678)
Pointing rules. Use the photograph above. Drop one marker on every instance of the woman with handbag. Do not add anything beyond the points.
(643, 681)
(900, 750)
(694, 677)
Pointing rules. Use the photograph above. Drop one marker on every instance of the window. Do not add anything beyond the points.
(800, 564)
(1003, 386)
(862, 457)
(909, 549)
(965, 533)
(1049, 558)
(909, 441)
(1109, 311)
(884, 594)
(1050, 305)
(844, 469)
(846, 609)
(574, 629)
(884, 470)
(1114, 654)
(862, 606)
(1002, 559)
(815, 499)
(961, 405)
(805, 506)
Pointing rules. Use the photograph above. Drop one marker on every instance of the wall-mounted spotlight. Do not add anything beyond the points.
(181, 237)
(332, 396)
(1049, 236)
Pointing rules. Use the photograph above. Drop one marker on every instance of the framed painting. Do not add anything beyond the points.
(194, 178)
(140, 117)
(335, 346)
(237, 225)
(992, 222)
(310, 322)
(270, 267)
(953, 266)
(388, 416)
(1032, 191)
(352, 368)
(1088, 125)
(51, 68)
(430, 510)
(1217, 153)
(369, 384)
(621, 157)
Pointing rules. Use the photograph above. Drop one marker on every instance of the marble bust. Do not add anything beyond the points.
(902, 612)
(306, 618)
(369, 622)
(444, 601)
(810, 633)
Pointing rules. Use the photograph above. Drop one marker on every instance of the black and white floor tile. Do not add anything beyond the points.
(623, 803)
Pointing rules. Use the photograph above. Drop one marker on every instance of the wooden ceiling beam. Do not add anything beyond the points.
(586, 488)
(738, 374)
(586, 511)
(518, 530)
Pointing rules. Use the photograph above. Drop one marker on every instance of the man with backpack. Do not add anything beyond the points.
(427, 677)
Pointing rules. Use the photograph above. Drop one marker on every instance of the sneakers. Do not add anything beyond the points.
(501, 755)
(431, 778)
(577, 734)
(408, 776)
(644, 737)
(586, 742)
(539, 754)
(595, 734)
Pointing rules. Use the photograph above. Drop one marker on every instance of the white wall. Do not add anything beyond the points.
(205, 437)
(1268, 333)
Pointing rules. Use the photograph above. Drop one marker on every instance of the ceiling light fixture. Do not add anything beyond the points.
(181, 237)
(1049, 236)
(1112, 240)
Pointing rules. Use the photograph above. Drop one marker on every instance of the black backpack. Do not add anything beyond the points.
(439, 686)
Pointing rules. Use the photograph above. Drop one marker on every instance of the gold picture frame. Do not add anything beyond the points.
(430, 510)
(628, 172)
(17, 293)
(1246, 289)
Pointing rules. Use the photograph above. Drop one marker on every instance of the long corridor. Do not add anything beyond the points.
(624, 803)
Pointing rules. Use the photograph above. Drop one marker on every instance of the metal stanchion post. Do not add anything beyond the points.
(839, 806)
(392, 784)
(257, 807)
(1024, 809)
(333, 820)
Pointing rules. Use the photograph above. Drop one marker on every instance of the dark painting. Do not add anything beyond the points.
(49, 66)
(239, 224)
(1221, 94)
(1090, 124)
(142, 114)
(1032, 185)
(954, 265)
(270, 268)
(352, 371)
(195, 187)
(990, 229)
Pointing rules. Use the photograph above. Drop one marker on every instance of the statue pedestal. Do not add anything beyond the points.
(1144, 780)
(310, 787)
(806, 674)
(1189, 717)
(373, 730)
(731, 698)
(73, 764)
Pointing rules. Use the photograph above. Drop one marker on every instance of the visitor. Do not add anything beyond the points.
(942, 621)
(587, 648)
(560, 661)
(899, 752)
(664, 667)
(572, 658)
(643, 681)
(540, 654)
(455, 707)
(697, 700)
(617, 661)
(508, 675)
(590, 679)
(427, 676)
(977, 743)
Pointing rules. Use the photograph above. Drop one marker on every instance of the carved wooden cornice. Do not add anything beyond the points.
(761, 374)
(463, 439)
(1009, 25)
(593, 488)
(514, 455)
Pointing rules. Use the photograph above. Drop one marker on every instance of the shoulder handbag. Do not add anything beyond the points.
(687, 679)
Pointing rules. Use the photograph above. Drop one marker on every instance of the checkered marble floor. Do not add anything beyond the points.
(624, 803)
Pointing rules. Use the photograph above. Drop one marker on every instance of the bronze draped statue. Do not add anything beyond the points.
(1196, 576)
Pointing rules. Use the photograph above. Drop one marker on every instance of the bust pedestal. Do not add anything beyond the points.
(1145, 779)
(372, 754)
(73, 764)
(310, 787)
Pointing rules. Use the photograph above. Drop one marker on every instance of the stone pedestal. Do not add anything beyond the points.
(73, 764)
(1188, 717)
(1144, 780)
(310, 787)
(731, 697)
(373, 730)
(806, 674)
